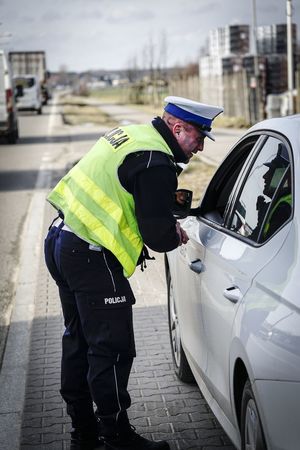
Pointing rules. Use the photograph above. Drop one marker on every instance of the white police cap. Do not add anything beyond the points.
(198, 114)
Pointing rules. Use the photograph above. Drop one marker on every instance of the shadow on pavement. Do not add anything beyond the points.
(19, 180)
(59, 139)
(162, 406)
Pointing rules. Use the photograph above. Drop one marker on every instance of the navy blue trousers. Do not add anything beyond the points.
(98, 343)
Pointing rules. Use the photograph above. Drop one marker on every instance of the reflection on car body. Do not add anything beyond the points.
(235, 321)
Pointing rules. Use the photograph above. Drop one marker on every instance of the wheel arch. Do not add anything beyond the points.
(240, 376)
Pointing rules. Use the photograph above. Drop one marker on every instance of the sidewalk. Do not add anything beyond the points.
(162, 406)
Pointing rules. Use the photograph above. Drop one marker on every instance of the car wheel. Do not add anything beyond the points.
(182, 368)
(251, 427)
(12, 137)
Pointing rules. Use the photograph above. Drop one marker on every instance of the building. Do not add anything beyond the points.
(272, 39)
(226, 47)
(230, 40)
(272, 43)
(227, 74)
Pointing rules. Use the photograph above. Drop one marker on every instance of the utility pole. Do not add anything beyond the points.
(289, 13)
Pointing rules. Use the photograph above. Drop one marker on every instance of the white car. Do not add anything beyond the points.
(28, 93)
(234, 290)
(8, 112)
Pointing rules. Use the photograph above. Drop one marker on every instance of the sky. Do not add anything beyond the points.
(85, 35)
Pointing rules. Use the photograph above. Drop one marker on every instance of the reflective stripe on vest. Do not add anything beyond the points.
(95, 205)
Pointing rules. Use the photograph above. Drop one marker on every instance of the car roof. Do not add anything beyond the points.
(282, 125)
(288, 126)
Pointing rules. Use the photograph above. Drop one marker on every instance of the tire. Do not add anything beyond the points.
(39, 111)
(181, 365)
(12, 137)
(251, 427)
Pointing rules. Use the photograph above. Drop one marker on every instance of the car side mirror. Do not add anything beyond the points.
(182, 203)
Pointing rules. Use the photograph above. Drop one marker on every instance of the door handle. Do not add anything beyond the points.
(233, 294)
(196, 266)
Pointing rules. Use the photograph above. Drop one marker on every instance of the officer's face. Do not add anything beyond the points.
(190, 139)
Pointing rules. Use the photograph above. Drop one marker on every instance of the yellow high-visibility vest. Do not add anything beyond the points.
(95, 205)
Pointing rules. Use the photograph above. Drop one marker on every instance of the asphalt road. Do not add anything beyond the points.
(19, 165)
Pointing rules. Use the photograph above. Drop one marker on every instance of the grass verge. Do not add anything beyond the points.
(196, 177)
(81, 110)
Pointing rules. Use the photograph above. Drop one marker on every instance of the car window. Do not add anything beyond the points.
(265, 201)
(218, 194)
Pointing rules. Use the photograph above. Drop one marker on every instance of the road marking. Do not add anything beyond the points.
(53, 114)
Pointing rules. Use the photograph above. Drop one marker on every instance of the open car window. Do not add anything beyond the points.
(217, 198)
(264, 203)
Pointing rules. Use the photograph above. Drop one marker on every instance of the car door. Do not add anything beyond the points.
(235, 251)
(187, 286)
(189, 261)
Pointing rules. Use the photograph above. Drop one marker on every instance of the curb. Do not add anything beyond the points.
(16, 356)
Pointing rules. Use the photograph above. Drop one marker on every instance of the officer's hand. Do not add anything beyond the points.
(183, 237)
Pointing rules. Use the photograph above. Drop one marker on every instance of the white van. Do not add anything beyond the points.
(8, 112)
(28, 93)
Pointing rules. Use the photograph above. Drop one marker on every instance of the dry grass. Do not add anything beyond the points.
(196, 178)
(80, 110)
(77, 115)
(230, 122)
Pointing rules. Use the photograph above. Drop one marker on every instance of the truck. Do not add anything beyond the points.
(31, 63)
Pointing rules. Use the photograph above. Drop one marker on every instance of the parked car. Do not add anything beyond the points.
(28, 93)
(8, 111)
(233, 290)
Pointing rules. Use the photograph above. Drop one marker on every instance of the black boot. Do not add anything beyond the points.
(83, 440)
(84, 433)
(133, 441)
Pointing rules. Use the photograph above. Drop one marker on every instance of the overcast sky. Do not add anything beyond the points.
(109, 34)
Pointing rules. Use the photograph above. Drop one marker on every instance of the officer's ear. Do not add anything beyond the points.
(177, 128)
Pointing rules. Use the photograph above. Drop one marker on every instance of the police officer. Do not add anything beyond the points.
(114, 201)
